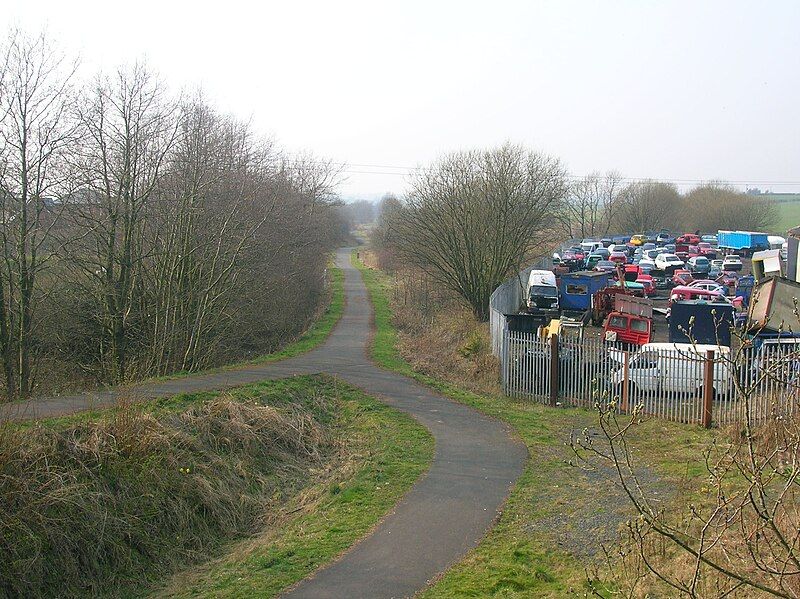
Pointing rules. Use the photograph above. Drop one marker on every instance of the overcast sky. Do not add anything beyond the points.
(673, 90)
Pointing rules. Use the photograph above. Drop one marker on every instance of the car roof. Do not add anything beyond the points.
(699, 290)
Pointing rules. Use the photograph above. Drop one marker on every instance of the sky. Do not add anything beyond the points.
(684, 91)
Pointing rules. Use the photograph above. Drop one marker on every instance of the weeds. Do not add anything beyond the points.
(89, 507)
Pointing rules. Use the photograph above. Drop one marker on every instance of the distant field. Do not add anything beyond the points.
(788, 215)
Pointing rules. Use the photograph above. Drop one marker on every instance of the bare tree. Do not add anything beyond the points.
(741, 532)
(131, 127)
(211, 204)
(648, 205)
(714, 206)
(35, 131)
(590, 207)
(473, 218)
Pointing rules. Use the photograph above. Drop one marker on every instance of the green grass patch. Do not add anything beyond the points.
(788, 215)
(538, 548)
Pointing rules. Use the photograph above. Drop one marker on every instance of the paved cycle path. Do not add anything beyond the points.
(445, 513)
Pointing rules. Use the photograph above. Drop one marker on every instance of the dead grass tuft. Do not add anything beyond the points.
(89, 508)
(450, 345)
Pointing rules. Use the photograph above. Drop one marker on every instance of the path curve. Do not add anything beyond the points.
(446, 512)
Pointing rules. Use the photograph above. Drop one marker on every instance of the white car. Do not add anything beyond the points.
(708, 286)
(672, 368)
(646, 263)
(665, 261)
(732, 262)
(718, 263)
(651, 254)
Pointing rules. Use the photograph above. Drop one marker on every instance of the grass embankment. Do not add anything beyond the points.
(557, 515)
(112, 505)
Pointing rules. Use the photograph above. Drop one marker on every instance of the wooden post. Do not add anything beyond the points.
(625, 384)
(554, 370)
(708, 388)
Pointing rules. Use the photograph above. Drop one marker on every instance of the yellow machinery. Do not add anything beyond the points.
(571, 329)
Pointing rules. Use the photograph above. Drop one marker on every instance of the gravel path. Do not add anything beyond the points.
(445, 513)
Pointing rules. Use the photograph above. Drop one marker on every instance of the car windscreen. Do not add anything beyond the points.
(618, 322)
(672, 259)
(543, 290)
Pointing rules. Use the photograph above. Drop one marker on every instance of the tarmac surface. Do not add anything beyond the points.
(446, 512)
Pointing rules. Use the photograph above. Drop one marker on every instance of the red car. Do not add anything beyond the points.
(693, 251)
(631, 272)
(688, 238)
(707, 250)
(648, 284)
(681, 277)
(728, 279)
(627, 328)
(619, 257)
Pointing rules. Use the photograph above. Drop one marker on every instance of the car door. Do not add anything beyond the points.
(644, 372)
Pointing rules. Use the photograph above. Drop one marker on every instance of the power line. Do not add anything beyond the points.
(351, 168)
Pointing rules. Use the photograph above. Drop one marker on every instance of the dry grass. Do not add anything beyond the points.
(90, 508)
(452, 345)
(744, 505)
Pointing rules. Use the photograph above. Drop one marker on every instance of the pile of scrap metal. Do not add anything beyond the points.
(775, 298)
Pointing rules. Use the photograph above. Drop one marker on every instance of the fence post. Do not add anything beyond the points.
(625, 385)
(504, 359)
(554, 374)
(708, 388)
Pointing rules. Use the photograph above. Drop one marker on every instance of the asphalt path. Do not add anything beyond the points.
(442, 517)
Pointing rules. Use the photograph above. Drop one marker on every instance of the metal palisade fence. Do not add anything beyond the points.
(508, 298)
(693, 384)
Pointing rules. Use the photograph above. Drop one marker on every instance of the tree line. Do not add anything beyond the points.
(473, 218)
(144, 232)
(603, 204)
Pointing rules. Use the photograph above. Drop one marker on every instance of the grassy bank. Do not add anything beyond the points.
(300, 468)
(557, 516)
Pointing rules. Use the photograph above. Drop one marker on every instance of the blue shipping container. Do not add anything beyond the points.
(742, 240)
(576, 288)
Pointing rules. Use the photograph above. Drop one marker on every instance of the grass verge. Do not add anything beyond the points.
(109, 507)
(388, 451)
(556, 516)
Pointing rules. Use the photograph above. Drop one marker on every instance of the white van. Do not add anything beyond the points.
(673, 368)
(775, 241)
(541, 292)
(589, 246)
